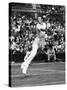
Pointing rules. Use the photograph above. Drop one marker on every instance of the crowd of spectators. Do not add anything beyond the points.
(22, 32)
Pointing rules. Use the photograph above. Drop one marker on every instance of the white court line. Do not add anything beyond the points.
(16, 64)
(51, 72)
(39, 69)
(47, 70)
(48, 83)
(55, 82)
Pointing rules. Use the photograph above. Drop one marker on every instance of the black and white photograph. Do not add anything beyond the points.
(36, 44)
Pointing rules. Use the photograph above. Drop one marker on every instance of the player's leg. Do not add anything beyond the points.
(49, 57)
(31, 56)
(26, 63)
(54, 57)
(26, 56)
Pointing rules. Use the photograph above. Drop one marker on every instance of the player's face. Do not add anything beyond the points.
(40, 19)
